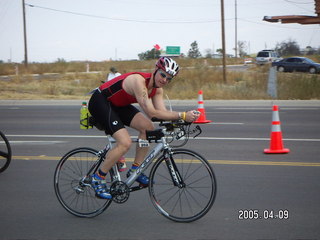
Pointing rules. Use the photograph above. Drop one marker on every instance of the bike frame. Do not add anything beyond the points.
(153, 154)
(161, 145)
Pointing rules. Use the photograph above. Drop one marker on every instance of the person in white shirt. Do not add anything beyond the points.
(113, 73)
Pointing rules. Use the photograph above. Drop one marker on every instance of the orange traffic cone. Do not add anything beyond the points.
(276, 144)
(202, 117)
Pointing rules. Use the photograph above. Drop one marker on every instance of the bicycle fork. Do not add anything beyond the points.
(173, 170)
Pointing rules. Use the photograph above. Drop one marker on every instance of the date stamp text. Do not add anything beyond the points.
(255, 214)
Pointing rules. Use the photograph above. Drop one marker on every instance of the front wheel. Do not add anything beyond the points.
(312, 70)
(72, 183)
(281, 69)
(193, 197)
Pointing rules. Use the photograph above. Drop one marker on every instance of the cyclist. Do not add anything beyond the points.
(111, 106)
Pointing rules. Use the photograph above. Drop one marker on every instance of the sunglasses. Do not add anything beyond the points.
(165, 76)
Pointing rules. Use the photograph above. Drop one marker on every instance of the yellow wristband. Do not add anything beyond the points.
(184, 114)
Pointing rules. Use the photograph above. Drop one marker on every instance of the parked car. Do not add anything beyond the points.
(299, 64)
(247, 60)
(267, 56)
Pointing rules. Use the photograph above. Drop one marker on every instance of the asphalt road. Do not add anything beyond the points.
(249, 181)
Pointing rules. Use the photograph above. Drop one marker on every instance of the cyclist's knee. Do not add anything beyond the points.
(147, 125)
(124, 144)
(141, 123)
(123, 140)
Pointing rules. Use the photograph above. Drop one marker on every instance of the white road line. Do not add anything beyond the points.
(258, 139)
(197, 138)
(220, 112)
(35, 142)
(265, 108)
(223, 123)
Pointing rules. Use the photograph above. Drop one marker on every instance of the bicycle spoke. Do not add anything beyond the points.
(171, 197)
(188, 202)
(4, 154)
(195, 199)
(198, 180)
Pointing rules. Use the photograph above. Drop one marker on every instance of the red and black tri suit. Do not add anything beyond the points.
(111, 106)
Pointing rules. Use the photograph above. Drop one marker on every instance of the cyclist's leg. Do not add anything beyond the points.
(141, 124)
(122, 146)
(110, 118)
(132, 117)
(107, 117)
(98, 179)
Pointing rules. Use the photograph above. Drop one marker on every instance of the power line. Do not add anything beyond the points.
(147, 20)
(125, 19)
(276, 26)
(298, 2)
(150, 21)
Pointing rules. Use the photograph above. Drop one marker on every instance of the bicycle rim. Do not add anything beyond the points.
(77, 198)
(5, 152)
(195, 198)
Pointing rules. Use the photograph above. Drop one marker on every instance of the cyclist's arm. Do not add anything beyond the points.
(157, 100)
(158, 104)
(152, 107)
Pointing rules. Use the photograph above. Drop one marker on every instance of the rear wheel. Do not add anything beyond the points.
(5, 152)
(72, 183)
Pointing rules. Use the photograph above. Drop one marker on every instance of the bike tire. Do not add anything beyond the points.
(5, 152)
(195, 198)
(76, 197)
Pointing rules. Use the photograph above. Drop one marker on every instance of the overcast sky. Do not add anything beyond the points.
(97, 30)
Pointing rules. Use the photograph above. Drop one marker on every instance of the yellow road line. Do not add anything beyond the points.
(265, 163)
(223, 162)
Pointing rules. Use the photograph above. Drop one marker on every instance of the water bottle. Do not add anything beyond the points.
(84, 116)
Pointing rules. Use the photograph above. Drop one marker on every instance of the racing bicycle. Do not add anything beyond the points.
(182, 185)
(5, 152)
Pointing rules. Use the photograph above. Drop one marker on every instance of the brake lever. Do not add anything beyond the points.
(198, 128)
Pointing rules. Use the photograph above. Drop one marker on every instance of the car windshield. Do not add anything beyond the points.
(263, 54)
(308, 60)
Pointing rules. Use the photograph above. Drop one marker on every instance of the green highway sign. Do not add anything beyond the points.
(173, 50)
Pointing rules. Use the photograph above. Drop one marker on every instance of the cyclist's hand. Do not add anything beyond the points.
(192, 115)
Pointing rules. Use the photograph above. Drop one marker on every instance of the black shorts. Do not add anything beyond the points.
(109, 117)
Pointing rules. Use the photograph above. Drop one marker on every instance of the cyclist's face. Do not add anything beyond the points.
(162, 78)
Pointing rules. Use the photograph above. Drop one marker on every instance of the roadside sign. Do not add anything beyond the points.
(173, 50)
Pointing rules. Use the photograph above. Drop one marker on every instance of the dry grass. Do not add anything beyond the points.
(240, 85)
(204, 75)
(64, 86)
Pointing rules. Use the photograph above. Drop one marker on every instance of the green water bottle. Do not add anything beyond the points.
(84, 116)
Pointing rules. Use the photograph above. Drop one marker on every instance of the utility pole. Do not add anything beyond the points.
(25, 35)
(236, 30)
(223, 43)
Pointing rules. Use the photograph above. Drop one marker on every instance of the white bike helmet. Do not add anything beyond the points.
(168, 65)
